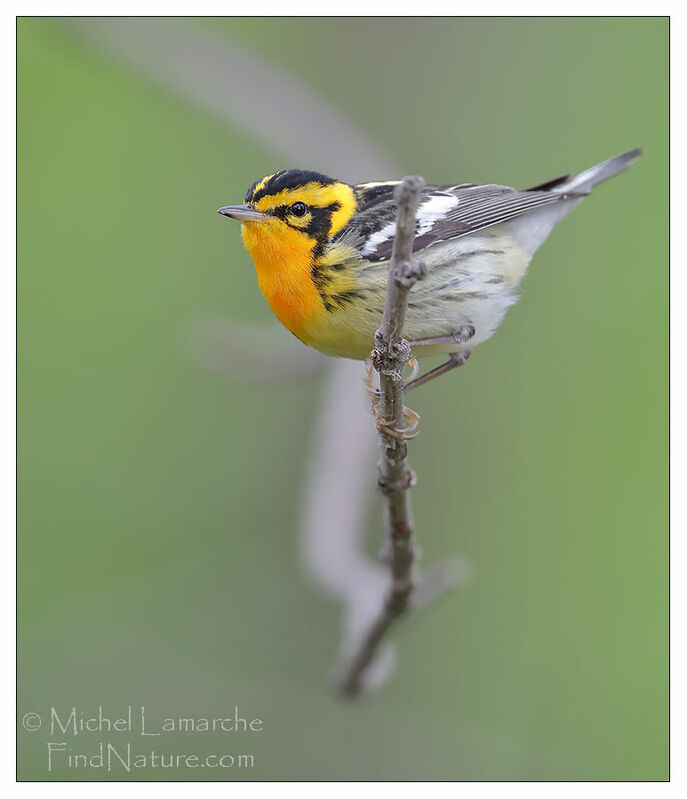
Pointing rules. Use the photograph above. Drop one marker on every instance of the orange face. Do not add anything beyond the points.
(288, 219)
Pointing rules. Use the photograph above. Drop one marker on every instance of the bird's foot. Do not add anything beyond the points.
(412, 418)
(406, 433)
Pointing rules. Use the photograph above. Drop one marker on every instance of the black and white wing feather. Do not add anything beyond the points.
(445, 212)
(448, 212)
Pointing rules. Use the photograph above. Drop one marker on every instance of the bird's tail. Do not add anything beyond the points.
(532, 228)
(583, 183)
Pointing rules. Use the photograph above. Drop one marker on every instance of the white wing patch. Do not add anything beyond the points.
(433, 209)
(430, 211)
(386, 233)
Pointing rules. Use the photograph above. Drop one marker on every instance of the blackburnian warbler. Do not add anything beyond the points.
(321, 250)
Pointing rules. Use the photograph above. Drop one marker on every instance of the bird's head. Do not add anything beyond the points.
(291, 214)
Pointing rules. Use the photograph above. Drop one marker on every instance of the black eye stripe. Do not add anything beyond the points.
(317, 227)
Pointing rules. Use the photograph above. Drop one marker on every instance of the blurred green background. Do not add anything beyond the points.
(153, 570)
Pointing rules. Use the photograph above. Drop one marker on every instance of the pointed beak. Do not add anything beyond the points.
(241, 213)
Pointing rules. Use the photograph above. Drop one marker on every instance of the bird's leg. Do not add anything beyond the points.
(455, 359)
(461, 336)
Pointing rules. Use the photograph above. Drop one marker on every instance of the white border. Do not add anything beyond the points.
(678, 398)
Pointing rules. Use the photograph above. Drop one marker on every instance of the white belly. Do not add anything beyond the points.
(470, 281)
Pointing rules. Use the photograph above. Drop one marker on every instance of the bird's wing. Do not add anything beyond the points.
(445, 212)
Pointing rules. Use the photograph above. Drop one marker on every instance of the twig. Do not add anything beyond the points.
(389, 356)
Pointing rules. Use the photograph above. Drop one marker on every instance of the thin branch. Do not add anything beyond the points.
(389, 357)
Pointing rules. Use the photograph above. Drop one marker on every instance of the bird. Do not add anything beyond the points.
(321, 250)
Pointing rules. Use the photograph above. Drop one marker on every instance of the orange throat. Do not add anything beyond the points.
(283, 262)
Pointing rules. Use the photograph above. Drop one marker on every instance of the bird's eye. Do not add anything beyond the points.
(298, 209)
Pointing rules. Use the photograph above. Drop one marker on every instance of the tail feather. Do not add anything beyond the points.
(531, 229)
(583, 183)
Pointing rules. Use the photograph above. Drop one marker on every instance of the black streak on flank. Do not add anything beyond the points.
(345, 298)
(465, 295)
(475, 253)
(321, 279)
